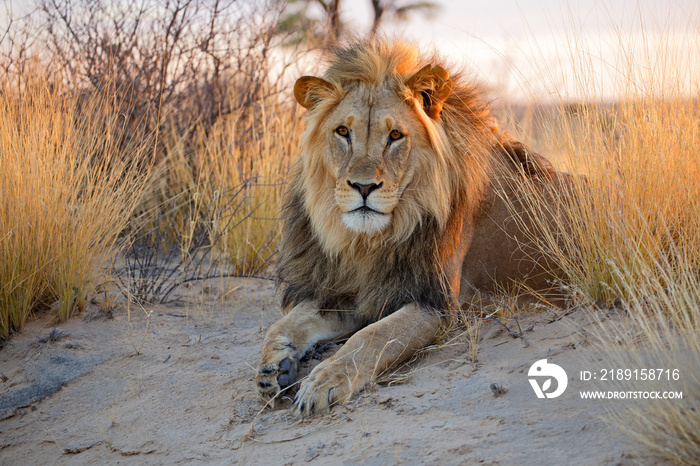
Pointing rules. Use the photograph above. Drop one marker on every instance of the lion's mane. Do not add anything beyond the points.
(321, 261)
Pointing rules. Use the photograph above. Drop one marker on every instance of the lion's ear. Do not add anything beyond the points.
(309, 90)
(434, 85)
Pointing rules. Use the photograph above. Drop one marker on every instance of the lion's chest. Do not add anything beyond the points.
(348, 280)
(371, 278)
(379, 284)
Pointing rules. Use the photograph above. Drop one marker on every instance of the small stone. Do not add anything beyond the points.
(311, 454)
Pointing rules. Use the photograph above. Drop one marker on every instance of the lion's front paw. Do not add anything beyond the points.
(329, 383)
(277, 370)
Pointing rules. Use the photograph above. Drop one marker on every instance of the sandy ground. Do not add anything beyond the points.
(172, 385)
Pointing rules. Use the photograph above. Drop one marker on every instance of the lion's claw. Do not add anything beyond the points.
(328, 384)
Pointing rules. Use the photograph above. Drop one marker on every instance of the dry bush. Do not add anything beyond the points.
(199, 86)
(206, 79)
(68, 183)
(195, 61)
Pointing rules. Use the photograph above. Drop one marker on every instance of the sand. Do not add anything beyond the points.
(175, 385)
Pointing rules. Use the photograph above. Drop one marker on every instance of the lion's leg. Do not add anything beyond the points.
(366, 354)
(288, 339)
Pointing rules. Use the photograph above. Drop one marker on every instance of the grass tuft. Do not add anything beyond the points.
(69, 181)
(627, 229)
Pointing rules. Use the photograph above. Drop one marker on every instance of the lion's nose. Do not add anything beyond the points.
(365, 189)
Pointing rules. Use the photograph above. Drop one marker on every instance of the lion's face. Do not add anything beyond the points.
(372, 138)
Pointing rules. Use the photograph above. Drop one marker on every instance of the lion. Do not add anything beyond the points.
(396, 214)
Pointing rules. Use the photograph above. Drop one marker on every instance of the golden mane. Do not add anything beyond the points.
(319, 256)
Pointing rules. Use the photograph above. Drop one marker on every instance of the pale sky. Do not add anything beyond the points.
(541, 49)
(528, 48)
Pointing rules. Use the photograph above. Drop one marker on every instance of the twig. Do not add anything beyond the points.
(297, 437)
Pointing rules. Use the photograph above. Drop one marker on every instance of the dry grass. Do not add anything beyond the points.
(631, 220)
(668, 428)
(629, 233)
(207, 207)
(228, 178)
(68, 184)
(257, 163)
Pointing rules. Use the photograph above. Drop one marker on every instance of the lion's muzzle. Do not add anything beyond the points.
(367, 204)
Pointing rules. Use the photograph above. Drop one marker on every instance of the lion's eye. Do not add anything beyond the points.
(395, 135)
(342, 130)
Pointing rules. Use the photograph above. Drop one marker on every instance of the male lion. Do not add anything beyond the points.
(395, 214)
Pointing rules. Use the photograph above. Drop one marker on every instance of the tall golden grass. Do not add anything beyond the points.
(629, 235)
(230, 177)
(631, 240)
(68, 184)
(633, 214)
